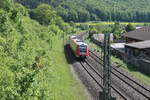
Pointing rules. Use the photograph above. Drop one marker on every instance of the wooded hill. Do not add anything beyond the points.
(96, 10)
(29, 52)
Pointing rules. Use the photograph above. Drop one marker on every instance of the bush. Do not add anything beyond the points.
(129, 28)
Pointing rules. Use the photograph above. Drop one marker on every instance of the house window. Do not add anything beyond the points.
(129, 52)
(136, 52)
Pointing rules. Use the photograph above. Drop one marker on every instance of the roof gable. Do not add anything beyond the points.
(140, 45)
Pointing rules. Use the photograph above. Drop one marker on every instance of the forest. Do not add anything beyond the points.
(97, 10)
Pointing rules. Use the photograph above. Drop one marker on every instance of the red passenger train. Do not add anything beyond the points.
(79, 48)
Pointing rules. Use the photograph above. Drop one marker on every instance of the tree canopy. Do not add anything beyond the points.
(97, 10)
(44, 14)
(6, 4)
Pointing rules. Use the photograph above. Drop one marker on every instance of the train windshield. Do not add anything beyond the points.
(83, 48)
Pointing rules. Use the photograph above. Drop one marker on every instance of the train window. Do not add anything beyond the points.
(74, 37)
(79, 41)
(83, 48)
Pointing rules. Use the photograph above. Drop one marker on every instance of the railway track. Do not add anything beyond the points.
(97, 77)
(141, 90)
(94, 75)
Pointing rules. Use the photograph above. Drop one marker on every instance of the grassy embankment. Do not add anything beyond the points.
(64, 86)
(131, 70)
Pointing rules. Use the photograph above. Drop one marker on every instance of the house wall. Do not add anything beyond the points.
(132, 52)
(144, 66)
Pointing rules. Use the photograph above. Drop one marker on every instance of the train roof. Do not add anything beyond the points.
(80, 42)
(73, 37)
(77, 40)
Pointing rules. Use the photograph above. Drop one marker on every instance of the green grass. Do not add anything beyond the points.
(128, 68)
(64, 86)
(131, 70)
(110, 23)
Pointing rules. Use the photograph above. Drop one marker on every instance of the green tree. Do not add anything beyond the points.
(129, 27)
(92, 31)
(6, 4)
(83, 16)
(7, 91)
(18, 11)
(44, 14)
(117, 30)
(4, 22)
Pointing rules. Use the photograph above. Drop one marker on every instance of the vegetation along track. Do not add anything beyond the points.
(141, 90)
(97, 77)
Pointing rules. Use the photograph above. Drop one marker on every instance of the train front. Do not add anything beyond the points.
(83, 50)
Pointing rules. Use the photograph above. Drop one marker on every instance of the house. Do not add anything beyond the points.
(140, 34)
(138, 49)
(137, 41)
(138, 54)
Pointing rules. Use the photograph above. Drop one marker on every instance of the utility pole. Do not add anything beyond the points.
(107, 69)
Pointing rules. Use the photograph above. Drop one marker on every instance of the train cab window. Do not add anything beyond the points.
(79, 41)
(83, 48)
(74, 37)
